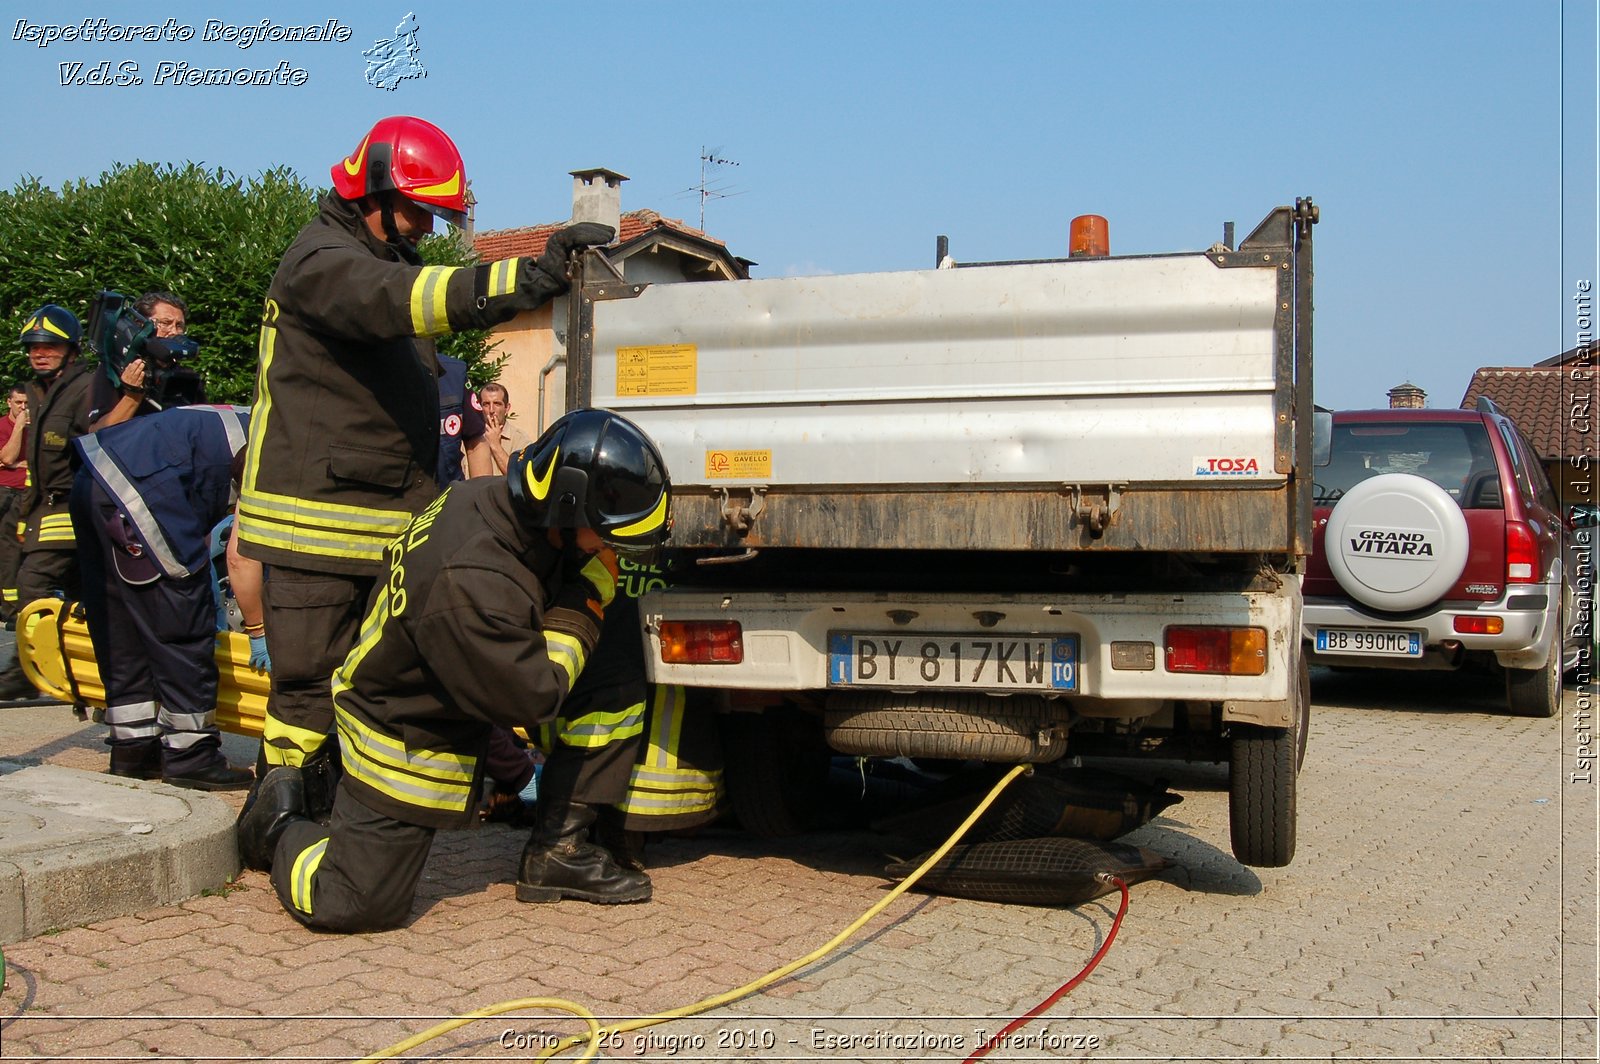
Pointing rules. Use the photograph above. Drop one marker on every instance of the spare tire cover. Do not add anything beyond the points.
(1396, 542)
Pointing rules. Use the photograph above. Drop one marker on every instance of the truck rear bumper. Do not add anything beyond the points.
(1119, 639)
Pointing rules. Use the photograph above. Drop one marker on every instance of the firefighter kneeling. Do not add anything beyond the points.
(493, 603)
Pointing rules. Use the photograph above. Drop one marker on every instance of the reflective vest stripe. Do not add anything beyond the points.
(503, 276)
(302, 874)
(428, 779)
(56, 528)
(600, 728)
(428, 315)
(566, 652)
(285, 744)
(366, 639)
(659, 785)
(303, 525)
(132, 504)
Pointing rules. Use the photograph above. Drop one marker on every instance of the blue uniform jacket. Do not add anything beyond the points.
(169, 473)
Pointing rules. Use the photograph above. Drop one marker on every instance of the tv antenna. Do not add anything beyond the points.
(711, 162)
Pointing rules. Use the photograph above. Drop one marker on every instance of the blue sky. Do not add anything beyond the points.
(1450, 145)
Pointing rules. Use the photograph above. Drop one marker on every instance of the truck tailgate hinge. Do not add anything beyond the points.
(739, 516)
(1095, 505)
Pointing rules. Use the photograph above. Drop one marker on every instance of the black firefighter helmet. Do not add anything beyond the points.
(594, 469)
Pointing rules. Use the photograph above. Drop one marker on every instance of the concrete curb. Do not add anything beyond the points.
(79, 847)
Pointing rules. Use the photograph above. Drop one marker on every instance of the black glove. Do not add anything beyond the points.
(545, 278)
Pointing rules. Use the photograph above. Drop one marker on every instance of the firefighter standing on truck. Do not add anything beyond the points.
(344, 436)
(58, 412)
(494, 601)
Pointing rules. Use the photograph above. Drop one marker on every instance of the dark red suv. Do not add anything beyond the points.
(1439, 544)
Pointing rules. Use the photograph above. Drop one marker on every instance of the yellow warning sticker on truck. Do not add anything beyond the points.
(660, 369)
(738, 465)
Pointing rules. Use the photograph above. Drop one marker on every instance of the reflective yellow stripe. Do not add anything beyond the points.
(503, 276)
(565, 651)
(301, 875)
(286, 744)
(649, 523)
(10, 594)
(429, 779)
(371, 629)
(308, 527)
(428, 314)
(302, 525)
(600, 728)
(660, 785)
(56, 528)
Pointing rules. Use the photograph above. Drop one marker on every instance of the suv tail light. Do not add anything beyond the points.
(1522, 554)
(1231, 651)
(702, 642)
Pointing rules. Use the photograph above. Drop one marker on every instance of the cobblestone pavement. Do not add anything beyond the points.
(1442, 906)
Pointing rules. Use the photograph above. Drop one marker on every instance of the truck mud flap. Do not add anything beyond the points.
(57, 657)
(1033, 871)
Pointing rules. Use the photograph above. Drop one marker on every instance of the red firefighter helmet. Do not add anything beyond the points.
(413, 157)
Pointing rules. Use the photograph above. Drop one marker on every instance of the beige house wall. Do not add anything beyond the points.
(528, 342)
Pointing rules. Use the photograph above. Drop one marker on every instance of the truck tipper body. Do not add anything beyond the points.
(999, 511)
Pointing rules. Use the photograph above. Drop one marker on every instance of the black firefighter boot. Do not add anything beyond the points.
(559, 861)
(278, 800)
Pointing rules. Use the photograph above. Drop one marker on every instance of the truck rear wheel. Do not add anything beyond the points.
(956, 727)
(1263, 788)
(776, 770)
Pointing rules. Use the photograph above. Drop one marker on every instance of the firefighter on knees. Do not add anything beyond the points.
(493, 603)
(344, 438)
(58, 411)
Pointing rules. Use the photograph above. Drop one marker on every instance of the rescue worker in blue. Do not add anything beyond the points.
(344, 437)
(147, 494)
(461, 426)
(493, 604)
(58, 412)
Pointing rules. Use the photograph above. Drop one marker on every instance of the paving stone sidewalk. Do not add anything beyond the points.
(1442, 906)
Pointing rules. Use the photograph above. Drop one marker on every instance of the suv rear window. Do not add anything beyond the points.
(1457, 457)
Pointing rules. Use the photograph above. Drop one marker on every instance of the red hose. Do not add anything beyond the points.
(1065, 987)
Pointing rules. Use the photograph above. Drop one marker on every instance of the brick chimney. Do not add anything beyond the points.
(597, 196)
(1407, 396)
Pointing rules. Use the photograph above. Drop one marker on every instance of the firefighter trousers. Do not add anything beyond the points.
(359, 873)
(312, 620)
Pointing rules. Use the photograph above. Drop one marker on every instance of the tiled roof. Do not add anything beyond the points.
(1554, 406)
(530, 239)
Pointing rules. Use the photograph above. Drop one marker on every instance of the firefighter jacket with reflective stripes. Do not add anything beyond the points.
(344, 438)
(456, 639)
(56, 416)
(169, 474)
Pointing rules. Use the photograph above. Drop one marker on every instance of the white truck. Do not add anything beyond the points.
(995, 511)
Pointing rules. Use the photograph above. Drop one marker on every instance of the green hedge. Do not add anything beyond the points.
(212, 238)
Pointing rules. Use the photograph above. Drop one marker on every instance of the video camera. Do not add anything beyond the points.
(118, 334)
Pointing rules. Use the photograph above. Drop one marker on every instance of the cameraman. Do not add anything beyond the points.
(111, 404)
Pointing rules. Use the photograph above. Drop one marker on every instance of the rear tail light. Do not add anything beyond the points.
(1522, 554)
(702, 642)
(1479, 625)
(1230, 651)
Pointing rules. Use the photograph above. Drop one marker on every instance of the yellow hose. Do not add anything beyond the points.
(596, 1032)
